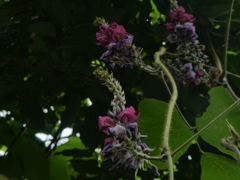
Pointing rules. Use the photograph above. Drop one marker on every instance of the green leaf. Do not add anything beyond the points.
(220, 100)
(43, 29)
(59, 167)
(73, 143)
(217, 167)
(151, 123)
(27, 159)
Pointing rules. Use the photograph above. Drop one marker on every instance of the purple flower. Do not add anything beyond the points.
(133, 127)
(107, 151)
(114, 50)
(135, 163)
(117, 130)
(104, 123)
(128, 115)
(190, 75)
(187, 67)
(172, 38)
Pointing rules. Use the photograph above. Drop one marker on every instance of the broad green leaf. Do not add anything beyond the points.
(27, 159)
(220, 100)
(73, 143)
(215, 167)
(59, 167)
(151, 123)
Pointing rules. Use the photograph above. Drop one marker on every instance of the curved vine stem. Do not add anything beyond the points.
(179, 111)
(171, 105)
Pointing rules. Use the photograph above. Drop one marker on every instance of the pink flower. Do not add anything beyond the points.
(180, 9)
(199, 73)
(169, 27)
(128, 115)
(186, 18)
(104, 123)
(102, 39)
(108, 141)
(180, 16)
(110, 34)
(174, 17)
(197, 81)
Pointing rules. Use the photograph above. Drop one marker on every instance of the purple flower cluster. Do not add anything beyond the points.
(126, 137)
(181, 27)
(119, 44)
(191, 77)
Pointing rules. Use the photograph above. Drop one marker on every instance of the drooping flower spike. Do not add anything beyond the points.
(126, 140)
(120, 50)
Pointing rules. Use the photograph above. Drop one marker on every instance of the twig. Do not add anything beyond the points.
(226, 41)
(218, 64)
(230, 90)
(207, 126)
(171, 105)
(18, 136)
(235, 75)
(213, 52)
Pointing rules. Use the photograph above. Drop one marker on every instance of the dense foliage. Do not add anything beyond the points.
(48, 55)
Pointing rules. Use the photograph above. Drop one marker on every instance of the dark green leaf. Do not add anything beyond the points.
(151, 123)
(220, 100)
(217, 167)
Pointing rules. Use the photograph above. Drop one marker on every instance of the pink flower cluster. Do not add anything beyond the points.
(181, 26)
(112, 33)
(129, 115)
(116, 148)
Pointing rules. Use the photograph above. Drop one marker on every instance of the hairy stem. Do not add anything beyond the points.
(226, 40)
(206, 127)
(171, 105)
(179, 111)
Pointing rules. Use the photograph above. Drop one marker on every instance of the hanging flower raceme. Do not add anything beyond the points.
(121, 123)
(126, 137)
(181, 28)
(114, 37)
(188, 69)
